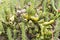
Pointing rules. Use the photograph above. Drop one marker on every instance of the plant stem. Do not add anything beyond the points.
(23, 31)
(52, 3)
(44, 6)
(9, 34)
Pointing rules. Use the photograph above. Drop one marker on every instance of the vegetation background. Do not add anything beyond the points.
(29, 19)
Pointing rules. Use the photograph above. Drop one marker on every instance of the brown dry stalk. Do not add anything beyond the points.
(52, 34)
